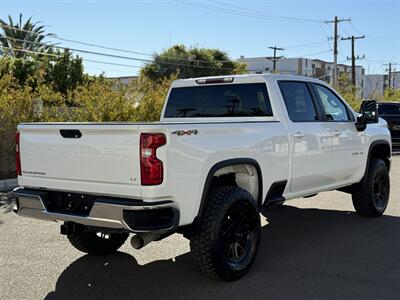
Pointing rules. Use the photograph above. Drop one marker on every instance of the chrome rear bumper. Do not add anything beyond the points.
(131, 215)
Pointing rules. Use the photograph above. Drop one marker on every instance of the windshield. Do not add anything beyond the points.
(389, 109)
(225, 100)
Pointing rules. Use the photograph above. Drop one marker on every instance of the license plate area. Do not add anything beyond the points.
(69, 203)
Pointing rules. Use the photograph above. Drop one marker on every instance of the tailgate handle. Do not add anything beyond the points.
(70, 133)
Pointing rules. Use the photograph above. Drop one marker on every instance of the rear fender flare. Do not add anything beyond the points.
(223, 164)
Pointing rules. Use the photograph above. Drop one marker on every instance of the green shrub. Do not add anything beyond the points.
(348, 91)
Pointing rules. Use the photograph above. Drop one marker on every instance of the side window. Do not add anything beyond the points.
(298, 101)
(389, 109)
(334, 108)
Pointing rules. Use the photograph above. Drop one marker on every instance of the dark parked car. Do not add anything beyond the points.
(390, 111)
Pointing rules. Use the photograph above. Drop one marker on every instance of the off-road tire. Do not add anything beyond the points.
(371, 195)
(91, 243)
(209, 244)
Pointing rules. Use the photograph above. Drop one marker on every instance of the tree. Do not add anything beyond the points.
(17, 38)
(62, 72)
(390, 94)
(65, 72)
(348, 91)
(150, 97)
(21, 69)
(191, 62)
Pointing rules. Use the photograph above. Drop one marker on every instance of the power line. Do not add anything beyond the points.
(267, 14)
(77, 42)
(34, 52)
(345, 30)
(148, 60)
(355, 29)
(257, 15)
(110, 48)
(95, 69)
(375, 61)
(102, 47)
(328, 36)
(289, 48)
(383, 37)
(307, 45)
(316, 53)
(132, 58)
(375, 36)
(128, 57)
(84, 59)
(110, 63)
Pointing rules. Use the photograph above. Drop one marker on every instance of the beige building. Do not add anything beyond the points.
(301, 66)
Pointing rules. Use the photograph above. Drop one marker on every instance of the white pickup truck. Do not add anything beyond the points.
(225, 146)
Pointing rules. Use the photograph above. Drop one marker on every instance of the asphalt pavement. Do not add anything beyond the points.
(314, 248)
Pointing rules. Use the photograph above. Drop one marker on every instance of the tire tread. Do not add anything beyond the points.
(201, 243)
(363, 194)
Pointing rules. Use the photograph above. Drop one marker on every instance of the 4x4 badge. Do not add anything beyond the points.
(185, 132)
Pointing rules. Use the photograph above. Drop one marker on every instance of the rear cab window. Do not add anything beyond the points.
(220, 100)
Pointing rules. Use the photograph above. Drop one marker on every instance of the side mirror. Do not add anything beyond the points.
(369, 114)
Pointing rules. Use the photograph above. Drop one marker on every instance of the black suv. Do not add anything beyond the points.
(390, 111)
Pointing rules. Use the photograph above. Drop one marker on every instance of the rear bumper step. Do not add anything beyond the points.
(90, 210)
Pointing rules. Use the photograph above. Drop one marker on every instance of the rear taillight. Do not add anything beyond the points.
(17, 155)
(151, 168)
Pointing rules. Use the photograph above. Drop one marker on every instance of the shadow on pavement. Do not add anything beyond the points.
(304, 253)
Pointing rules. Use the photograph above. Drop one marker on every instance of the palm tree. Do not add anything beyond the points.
(17, 39)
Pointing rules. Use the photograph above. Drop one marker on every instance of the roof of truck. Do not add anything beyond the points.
(247, 76)
(244, 78)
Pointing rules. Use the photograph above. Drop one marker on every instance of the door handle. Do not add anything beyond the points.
(336, 133)
(298, 135)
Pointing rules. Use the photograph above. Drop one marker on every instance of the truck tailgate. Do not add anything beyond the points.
(91, 153)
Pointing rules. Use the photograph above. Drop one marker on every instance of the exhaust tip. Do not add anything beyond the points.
(137, 242)
(140, 240)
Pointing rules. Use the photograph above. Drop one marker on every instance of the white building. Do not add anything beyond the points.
(124, 79)
(301, 66)
(395, 80)
(375, 84)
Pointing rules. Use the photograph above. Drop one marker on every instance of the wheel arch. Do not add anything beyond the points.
(379, 149)
(224, 164)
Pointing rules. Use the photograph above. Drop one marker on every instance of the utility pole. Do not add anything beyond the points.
(275, 59)
(336, 21)
(353, 56)
(390, 64)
